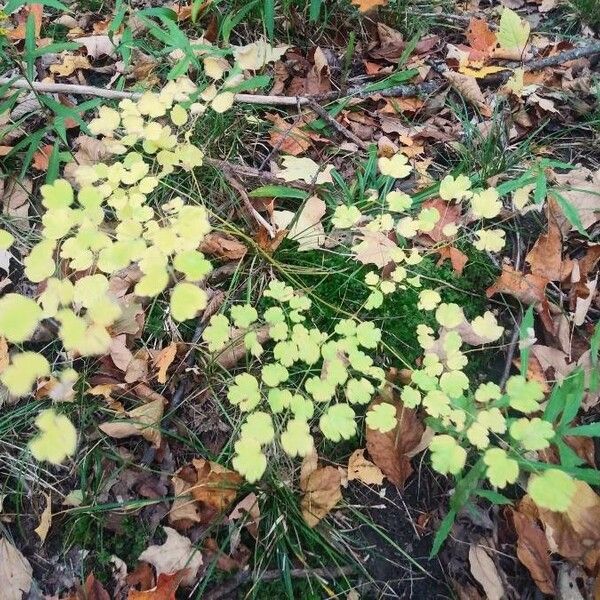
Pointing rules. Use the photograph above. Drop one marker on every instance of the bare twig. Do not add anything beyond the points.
(234, 183)
(252, 173)
(336, 124)
(224, 590)
(357, 91)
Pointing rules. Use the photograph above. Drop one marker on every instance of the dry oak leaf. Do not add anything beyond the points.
(185, 511)
(468, 88)
(41, 157)
(363, 469)
(223, 246)
(367, 5)
(305, 227)
(230, 356)
(70, 64)
(485, 572)
(322, 491)
(99, 45)
(533, 551)
(15, 201)
(176, 554)
(15, 572)
(143, 420)
(92, 589)
(457, 259)
(389, 450)
(545, 258)
(163, 360)
(449, 213)
(165, 589)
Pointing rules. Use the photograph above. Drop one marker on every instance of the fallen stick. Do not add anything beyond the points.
(358, 91)
(336, 124)
(239, 188)
(253, 173)
(224, 590)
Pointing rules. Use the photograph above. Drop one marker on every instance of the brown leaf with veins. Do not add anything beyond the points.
(449, 213)
(223, 246)
(533, 551)
(545, 258)
(530, 288)
(203, 489)
(20, 31)
(175, 555)
(389, 450)
(457, 259)
(322, 491)
(288, 138)
(469, 89)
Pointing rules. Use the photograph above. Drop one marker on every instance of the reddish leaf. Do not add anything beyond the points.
(457, 258)
(480, 36)
(389, 450)
(533, 551)
(545, 258)
(165, 588)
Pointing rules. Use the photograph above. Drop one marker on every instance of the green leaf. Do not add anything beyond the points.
(314, 10)
(278, 191)
(13, 5)
(574, 387)
(514, 31)
(258, 81)
(591, 476)
(231, 22)
(269, 17)
(56, 47)
(493, 497)
(541, 187)
(391, 81)
(570, 212)
(524, 328)
(53, 163)
(568, 457)
(443, 532)
(589, 430)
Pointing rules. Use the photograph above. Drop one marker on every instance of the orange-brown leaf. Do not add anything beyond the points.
(322, 491)
(480, 36)
(533, 551)
(165, 589)
(389, 450)
(367, 5)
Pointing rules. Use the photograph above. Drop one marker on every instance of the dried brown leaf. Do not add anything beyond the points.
(175, 555)
(469, 89)
(533, 551)
(389, 450)
(363, 469)
(15, 572)
(322, 491)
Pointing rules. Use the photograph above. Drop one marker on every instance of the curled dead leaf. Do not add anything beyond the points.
(322, 491)
(363, 469)
(389, 450)
(143, 420)
(175, 555)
